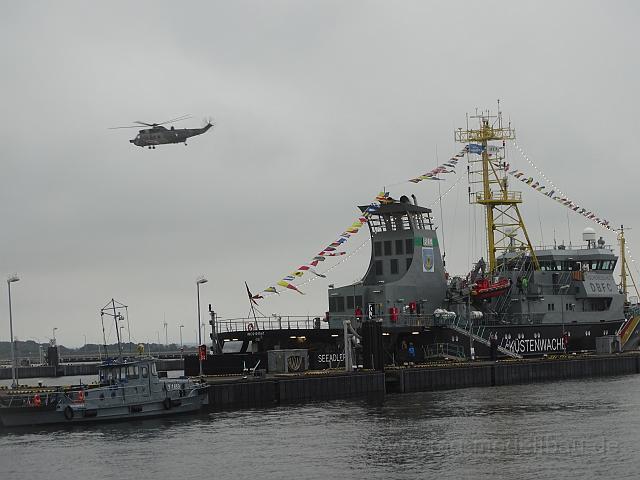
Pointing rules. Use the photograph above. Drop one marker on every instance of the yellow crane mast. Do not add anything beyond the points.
(505, 228)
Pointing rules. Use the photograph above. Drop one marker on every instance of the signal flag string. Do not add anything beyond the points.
(351, 254)
(555, 187)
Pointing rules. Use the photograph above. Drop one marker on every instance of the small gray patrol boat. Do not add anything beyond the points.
(128, 388)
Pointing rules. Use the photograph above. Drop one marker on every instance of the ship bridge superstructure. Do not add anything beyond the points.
(574, 284)
(405, 280)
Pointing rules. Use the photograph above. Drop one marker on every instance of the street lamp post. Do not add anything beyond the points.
(199, 282)
(181, 344)
(14, 370)
(55, 343)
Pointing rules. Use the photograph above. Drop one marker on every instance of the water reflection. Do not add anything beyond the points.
(587, 429)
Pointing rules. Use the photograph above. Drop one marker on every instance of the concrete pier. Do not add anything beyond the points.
(489, 374)
(239, 392)
(74, 369)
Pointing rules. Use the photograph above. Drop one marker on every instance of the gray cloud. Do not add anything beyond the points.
(318, 105)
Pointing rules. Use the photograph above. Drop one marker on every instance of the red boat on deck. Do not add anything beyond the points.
(485, 289)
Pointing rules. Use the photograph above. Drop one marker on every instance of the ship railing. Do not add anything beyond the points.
(27, 399)
(274, 322)
(444, 350)
(292, 322)
(402, 319)
(482, 326)
(499, 195)
(567, 247)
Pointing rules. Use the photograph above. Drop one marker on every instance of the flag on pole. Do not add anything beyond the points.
(252, 298)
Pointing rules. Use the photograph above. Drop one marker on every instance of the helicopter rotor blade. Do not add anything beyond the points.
(145, 123)
(177, 119)
(116, 128)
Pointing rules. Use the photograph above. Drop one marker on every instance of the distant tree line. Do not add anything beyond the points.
(30, 348)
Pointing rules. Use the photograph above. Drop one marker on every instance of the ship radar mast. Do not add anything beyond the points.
(505, 227)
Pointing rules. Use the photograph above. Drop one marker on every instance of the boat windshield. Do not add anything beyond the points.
(110, 376)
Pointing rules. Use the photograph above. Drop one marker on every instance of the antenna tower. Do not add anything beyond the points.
(505, 227)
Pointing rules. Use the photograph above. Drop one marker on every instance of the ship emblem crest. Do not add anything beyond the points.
(294, 362)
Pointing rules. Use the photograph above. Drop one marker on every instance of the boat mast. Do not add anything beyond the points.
(115, 311)
(623, 264)
(504, 222)
(116, 317)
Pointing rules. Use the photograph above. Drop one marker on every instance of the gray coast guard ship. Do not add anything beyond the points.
(517, 301)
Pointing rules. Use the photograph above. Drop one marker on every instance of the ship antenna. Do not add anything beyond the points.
(540, 222)
(104, 336)
(444, 243)
(489, 182)
(115, 319)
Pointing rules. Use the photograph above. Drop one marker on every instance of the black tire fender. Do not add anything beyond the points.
(166, 403)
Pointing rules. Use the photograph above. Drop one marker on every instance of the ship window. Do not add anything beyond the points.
(409, 244)
(394, 265)
(377, 249)
(409, 260)
(145, 372)
(350, 303)
(332, 304)
(154, 371)
(378, 266)
(549, 266)
(387, 247)
(359, 301)
(399, 247)
(340, 304)
(132, 372)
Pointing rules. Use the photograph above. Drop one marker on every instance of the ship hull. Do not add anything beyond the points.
(32, 416)
(325, 346)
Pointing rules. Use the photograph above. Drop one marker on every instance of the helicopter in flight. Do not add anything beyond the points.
(157, 134)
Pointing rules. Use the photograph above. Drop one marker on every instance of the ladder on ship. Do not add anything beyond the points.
(524, 267)
(479, 337)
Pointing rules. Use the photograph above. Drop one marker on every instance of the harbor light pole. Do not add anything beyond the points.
(14, 370)
(199, 282)
(181, 344)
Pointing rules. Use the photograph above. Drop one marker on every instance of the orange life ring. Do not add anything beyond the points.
(250, 327)
(81, 396)
(37, 402)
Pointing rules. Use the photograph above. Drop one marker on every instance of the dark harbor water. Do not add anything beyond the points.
(587, 429)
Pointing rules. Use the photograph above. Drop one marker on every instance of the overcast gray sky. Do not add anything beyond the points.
(317, 105)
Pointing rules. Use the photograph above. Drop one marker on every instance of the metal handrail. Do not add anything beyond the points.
(450, 349)
(278, 322)
(291, 322)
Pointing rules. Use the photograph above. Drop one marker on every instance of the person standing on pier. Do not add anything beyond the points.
(411, 353)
